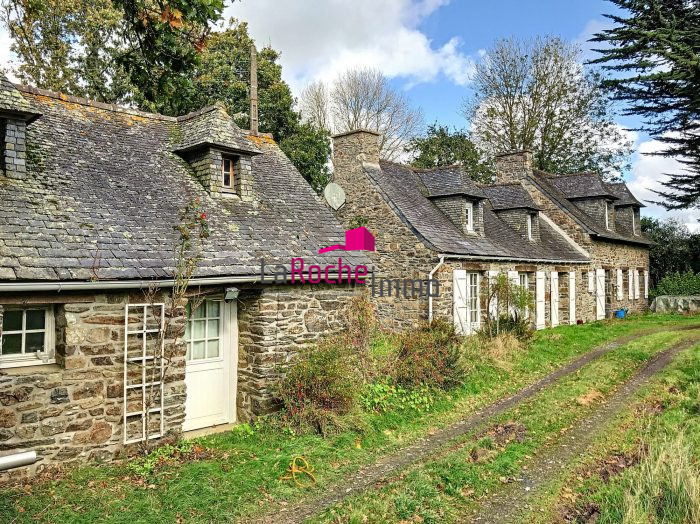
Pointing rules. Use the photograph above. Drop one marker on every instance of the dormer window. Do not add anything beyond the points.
(529, 226)
(607, 215)
(469, 216)
(228, 169)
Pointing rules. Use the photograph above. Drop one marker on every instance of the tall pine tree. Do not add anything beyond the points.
(655, 54)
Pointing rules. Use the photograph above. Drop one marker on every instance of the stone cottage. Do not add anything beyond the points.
(90, 197)
(574, 241)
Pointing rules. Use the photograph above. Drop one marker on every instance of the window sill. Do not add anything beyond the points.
(24, 367)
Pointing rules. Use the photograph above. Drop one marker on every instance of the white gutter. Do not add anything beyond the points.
(513, 259)
(430, 289)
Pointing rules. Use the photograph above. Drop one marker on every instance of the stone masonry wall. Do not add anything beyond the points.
(274, 323)
(15, 148)
(73, 410)
(207, 168)
(398, 252)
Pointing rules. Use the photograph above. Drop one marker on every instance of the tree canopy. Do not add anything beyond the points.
(675, 249)
(654, 51)
(442, 147)
(536, 95)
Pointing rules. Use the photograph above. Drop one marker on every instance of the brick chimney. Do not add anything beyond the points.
(253, 90)
(513, 166)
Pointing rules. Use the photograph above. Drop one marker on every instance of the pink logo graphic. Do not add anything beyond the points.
(358, 239)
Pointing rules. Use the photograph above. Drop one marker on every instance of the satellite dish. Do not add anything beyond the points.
(334, 195)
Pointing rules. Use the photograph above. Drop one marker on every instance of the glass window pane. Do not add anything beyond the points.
(227, 165)
(227, 180)
(200, 311)
(35, 318)
(198, 329)
(213, 308)
(212, 349)
(34, 342)
(198, 350)
(11, 344)
(12, 320)
(213, 329)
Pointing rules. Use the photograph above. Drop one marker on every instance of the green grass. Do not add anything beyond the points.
(443, 490)
(664, 427)
(243, 475)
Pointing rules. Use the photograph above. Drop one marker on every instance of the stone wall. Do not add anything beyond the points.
(398, 252)
(206, 164)
(274, 323)
(614, 256)
(670, 304)
(14, 156)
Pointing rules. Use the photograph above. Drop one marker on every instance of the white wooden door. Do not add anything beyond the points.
(539, 300)
(554, 299)
(466, 301)
(600, 293)
(210, 369)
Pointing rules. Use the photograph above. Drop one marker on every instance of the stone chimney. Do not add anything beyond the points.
(253, 90)
(350, 150)
(513, 167)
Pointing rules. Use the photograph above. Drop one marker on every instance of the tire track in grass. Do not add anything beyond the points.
(512, 501)
(424, 447)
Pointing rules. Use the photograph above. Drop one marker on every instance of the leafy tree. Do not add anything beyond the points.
(675, 249)
(536, 95)
(309, 149)
(442, 147)
(654, 52)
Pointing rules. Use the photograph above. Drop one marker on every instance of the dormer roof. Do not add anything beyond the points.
(624, 195)
(581, 185)
(13, 104)
(509, 196)
(448, 181)
(212, 127)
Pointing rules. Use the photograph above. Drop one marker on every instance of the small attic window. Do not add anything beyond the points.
(469, 216)
(529, 226)
(607, 215)
(228, 171)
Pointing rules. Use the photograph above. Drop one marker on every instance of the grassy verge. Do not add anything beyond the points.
(647, 470)
(447, 488)
(241, 475)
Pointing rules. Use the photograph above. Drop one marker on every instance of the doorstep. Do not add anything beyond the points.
(211, 430)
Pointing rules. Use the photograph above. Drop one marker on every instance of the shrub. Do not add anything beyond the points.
(382, 396)
(678, 284)
(321, 386)
(515, 325)
(361, 324)
(666, 486)
(429, 356)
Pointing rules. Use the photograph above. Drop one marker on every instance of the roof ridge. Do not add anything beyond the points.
(92, 103)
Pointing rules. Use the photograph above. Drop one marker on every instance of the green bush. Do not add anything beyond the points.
(514, 325)
(678, 284)
(429, 356)
(321, 386)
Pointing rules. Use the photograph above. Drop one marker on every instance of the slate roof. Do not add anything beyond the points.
(402, 187)
(212, 126)
(509, 196)
(581, 185)
(448, 181)
(104, 190)
(623, 194)
(546, 183)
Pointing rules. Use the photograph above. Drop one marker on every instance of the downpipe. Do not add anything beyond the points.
(430, 291)
(17, 460)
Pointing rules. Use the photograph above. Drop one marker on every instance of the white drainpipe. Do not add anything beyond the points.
(17, 460)
(430, 289)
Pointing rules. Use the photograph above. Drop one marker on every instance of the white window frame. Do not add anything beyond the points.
(48, 356)
(467, 301)
(524, 282)
(607, 215)
(529, 226)
(189, 331)
(634, 222)
(469, 216)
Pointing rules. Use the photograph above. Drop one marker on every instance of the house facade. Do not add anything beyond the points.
(574, 241)
(91, 221)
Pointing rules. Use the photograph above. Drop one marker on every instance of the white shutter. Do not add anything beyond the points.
(630, 284)
(600, 293)
(539, 300)
(636, 284)
(554, 302)
(572, 297)
(459, 286)
(513, 277)
(646, 284)
(476, 322)
(591, 284)
(493, 306)
(619, 284)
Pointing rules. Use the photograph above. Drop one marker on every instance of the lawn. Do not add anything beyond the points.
(238, 474)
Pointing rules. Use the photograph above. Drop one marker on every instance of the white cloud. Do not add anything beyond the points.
(320, 39)
(592, 27)
(647, 174)
(7, 57)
